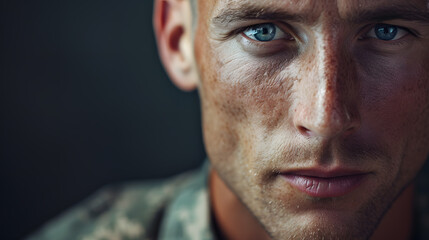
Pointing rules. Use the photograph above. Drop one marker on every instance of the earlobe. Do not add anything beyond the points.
(172, 23)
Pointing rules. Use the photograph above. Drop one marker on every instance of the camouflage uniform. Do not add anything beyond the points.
(176, 208)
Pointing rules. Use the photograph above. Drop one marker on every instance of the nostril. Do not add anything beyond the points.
(304, 131)
(349, 130)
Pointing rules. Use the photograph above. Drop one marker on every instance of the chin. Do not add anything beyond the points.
(325, 218)
(324, 227)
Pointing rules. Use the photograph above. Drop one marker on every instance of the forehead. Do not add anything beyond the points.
(312, 9)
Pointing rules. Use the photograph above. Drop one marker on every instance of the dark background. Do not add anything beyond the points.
(84, 102)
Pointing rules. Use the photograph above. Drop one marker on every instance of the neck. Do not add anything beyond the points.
(236, 222)
(233, 219)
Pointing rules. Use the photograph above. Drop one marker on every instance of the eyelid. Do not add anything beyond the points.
(369, 32)
(282, 28)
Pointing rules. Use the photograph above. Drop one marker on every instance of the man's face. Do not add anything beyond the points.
(315, 112)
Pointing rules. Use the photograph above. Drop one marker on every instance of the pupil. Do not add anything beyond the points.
(385, 32)
(265, 32)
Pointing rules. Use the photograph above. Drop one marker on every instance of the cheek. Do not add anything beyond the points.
(241, 97)
(392, 87)
(251, 90)
(395, 104)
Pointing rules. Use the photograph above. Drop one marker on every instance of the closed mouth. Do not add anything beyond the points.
(324, 184)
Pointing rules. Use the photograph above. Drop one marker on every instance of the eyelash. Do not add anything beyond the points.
(241, 30)
(272, 32)
(371, 31)
(368, 30)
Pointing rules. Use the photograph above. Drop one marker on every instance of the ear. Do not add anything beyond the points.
(172, 22)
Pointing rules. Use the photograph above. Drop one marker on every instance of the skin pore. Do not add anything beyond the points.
(339, 88)
(312, 103)
(233, 217)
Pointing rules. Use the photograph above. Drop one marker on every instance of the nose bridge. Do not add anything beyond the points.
(326, 108)
(327, 95)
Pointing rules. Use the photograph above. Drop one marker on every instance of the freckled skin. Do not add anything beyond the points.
(330, 101)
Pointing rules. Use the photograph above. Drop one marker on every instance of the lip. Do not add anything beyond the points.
(325, 184)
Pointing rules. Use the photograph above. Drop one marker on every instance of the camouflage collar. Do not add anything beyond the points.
(188, 216)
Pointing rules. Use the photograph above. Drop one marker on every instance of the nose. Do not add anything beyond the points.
(327, 94)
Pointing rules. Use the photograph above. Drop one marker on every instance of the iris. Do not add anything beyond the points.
(262, 32)
(385, 32)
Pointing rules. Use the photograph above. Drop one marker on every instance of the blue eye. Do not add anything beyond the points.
(264, 32)
(387, 32)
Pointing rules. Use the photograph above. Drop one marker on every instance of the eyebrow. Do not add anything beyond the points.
(247, 12)
(253, 12)
(408, 13)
